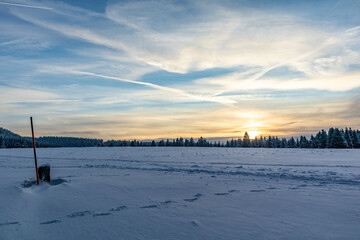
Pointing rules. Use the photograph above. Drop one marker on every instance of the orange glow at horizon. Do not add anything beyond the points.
(253, 134)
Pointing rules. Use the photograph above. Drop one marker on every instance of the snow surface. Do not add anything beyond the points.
(181, 193)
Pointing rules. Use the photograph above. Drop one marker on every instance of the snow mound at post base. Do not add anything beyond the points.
(53, 182)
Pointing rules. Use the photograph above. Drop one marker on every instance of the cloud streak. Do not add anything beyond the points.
(24, 5)
(170, 90)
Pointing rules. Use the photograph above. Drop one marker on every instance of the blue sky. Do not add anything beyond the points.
(164, 69)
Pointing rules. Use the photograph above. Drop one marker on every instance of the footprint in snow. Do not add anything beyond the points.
(297, 187)
(257, 190)
(51, 222)
(195, 223)
(117, 209)
(196, 197)
(225, 193)
(58, 181)
(100, 214)
(9, 223)
(221, 194)
(149, 206)
(191, 199)
(78, 214)
(167, 202)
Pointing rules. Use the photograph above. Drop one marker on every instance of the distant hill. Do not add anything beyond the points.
(68, 142)
(9, 139)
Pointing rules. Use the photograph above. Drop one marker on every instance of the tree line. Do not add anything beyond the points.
(333, 138)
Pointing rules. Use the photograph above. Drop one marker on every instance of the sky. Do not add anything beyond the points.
(165, 69)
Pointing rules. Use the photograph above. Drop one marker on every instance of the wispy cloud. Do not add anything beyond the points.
(170, 90)
(209, 42)
(25, 5)
(234, 82)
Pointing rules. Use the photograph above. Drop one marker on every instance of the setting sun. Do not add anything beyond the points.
(253, 134)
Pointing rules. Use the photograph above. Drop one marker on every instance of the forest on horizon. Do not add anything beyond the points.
(334, 138)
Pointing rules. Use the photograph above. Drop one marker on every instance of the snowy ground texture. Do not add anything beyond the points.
(181, 193)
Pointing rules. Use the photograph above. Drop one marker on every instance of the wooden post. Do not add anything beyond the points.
(34, 146)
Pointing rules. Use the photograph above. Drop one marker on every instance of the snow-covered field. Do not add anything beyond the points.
(181, 193)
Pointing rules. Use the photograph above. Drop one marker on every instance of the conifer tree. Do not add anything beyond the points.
(355, 139)
(191, 142)
(246, 140)
(347, 136)
(2, 142)
(313, 143)
(330, 139)
(239, 142)
(336, 139)
(269, 142)
(291, 143)
(262, 141)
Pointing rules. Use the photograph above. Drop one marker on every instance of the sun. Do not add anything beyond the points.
(253, 134)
